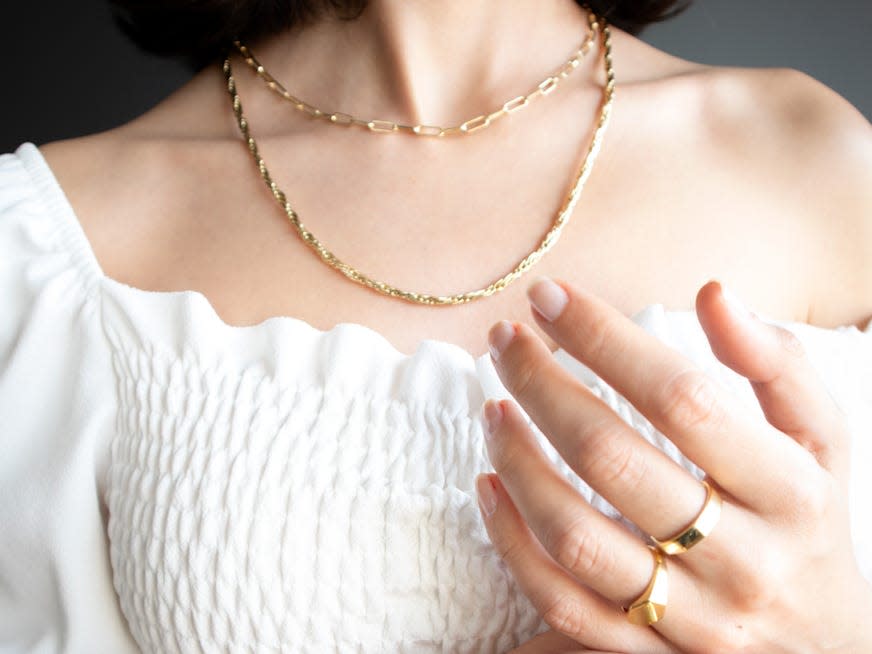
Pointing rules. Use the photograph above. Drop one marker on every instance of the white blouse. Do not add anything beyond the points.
(170, 483)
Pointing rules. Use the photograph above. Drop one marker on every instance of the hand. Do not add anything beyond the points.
(776, 574)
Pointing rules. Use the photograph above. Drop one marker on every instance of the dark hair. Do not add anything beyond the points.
(197, 31)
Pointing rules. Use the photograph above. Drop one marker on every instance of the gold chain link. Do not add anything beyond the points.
(525, 264)
(470, 126)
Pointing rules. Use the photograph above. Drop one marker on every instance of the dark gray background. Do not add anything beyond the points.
(68, 71)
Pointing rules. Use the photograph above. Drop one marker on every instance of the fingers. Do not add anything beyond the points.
(567, 606)
(782, 522)
(638, 479)
(792, 395)
(543, 511)
(709, 424)
(595, 549)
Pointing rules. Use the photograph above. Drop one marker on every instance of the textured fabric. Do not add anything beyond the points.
(169, 483)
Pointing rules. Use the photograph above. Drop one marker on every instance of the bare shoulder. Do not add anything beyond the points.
(128, 181)
(783, 108)
(134, 155)
(103, 176)
(769, 112)
(805, 142)
(788, 141)
(129, 193)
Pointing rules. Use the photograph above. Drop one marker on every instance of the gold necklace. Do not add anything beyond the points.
(526, 263)
(470, 126)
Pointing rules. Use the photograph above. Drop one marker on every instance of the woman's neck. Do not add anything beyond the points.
(425, 61)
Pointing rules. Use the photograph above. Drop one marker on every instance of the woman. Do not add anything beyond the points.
(214, 442)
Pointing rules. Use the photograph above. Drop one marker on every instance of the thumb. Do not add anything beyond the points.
(792, 395)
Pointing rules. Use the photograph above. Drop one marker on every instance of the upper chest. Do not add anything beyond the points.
(659, 216)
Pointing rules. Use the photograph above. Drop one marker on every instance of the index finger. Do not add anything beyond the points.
(707, 422)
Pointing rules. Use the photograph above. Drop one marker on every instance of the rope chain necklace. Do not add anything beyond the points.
(547, 242)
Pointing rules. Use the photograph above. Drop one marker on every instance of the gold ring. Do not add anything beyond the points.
(650, 606)
(701, 527)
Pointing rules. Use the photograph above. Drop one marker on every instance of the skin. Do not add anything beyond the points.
(777, 572)
(757, 178)
(671, 203)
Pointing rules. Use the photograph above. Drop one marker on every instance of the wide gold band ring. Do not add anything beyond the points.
(698, 529)
(650, 606)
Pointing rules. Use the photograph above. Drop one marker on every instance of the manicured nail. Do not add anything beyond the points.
(547, 297)
(491, 417)
(735, 304)
(487, 494)
(501, 334)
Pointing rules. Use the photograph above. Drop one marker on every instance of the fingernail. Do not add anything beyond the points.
(547, 297)
(491, 417)
(501, 334)
(487, 495)
(735, 304)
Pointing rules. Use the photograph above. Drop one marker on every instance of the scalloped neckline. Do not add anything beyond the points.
(54, 196)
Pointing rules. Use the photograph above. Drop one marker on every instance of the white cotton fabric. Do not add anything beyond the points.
(169, 483)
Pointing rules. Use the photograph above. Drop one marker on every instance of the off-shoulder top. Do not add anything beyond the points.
(170, 483)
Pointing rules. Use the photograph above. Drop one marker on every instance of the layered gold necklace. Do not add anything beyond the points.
(597, 26)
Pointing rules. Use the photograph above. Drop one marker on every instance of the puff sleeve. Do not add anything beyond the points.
(56, 411)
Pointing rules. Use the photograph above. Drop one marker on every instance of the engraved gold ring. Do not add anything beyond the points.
(697, 530)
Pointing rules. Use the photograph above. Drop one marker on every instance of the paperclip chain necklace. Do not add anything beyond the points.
(470, 126)
(526, 263)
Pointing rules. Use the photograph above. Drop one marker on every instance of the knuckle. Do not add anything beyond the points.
(523, 379)
(568, 615)
(690, 401)
(599, 334)
(809, 500)
(789, 341)
(757, 593)
(576, 549)
(609, 458)
(755, 597)
(509, 457)
(756, 581)
(510, 550)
